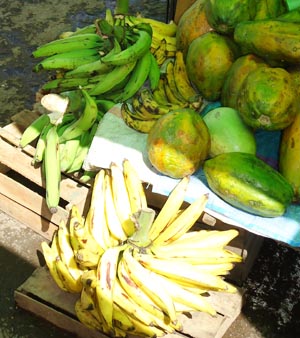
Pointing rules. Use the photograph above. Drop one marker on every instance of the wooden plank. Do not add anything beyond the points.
(27, 217)
(30, 199)
(58, 307)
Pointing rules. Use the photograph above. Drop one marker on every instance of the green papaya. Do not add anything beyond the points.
(235, 77)
(267, 99)
(274, 40)
(208, 60)
(248, 183)
(228, 132)
(268, 9)
(223, 16)
(290, 16)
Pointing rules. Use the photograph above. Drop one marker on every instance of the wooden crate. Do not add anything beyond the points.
(57, 307)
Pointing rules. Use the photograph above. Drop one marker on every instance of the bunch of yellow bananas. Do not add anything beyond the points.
(173, 91)
(135, 271)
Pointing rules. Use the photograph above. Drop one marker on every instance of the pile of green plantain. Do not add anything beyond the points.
(248, 60)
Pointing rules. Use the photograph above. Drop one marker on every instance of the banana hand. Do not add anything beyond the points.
(69, 44)
(131, 53)
(84, 122)
(67, 60)
(185, 220)
(143, 126)
(171, 207)
(34, 130)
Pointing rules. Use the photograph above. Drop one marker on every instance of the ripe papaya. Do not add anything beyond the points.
(223, 16)
(235, 77)
(267, 99)
(192, 23)
(178, 143)
(248, 183)
(289, 156)
(228, 132)
(274, 40)
(208, 60)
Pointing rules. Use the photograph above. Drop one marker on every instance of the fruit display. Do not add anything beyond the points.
(154, 70)
(134, 270)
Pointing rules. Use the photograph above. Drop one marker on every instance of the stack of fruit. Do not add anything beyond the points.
(229, 61)
(92, 69)
(154, 69)
(136, 271)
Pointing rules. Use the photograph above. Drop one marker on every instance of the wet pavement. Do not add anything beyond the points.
(272, 289)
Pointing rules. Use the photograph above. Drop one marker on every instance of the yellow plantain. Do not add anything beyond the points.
(183, 222)
(170, 207)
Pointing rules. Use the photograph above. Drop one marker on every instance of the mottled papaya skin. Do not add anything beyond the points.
(208, 60)
(267, 99)
(235, 77)
(223, 16)
(178, 143)
(289, 156)
(268, 9)
(291, 16)
(273, 40)
(193, 23)
(248, 183)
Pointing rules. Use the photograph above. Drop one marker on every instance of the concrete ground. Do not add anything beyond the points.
(271, 308)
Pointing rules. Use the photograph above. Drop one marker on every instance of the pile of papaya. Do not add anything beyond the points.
(245, 54)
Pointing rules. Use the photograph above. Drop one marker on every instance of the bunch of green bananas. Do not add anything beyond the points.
(173, 91)
(111, 59)
(62, 143)
(135, 271)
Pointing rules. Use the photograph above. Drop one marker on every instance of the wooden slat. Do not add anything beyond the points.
(27, 217)
(53, 301)
(30, 199)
